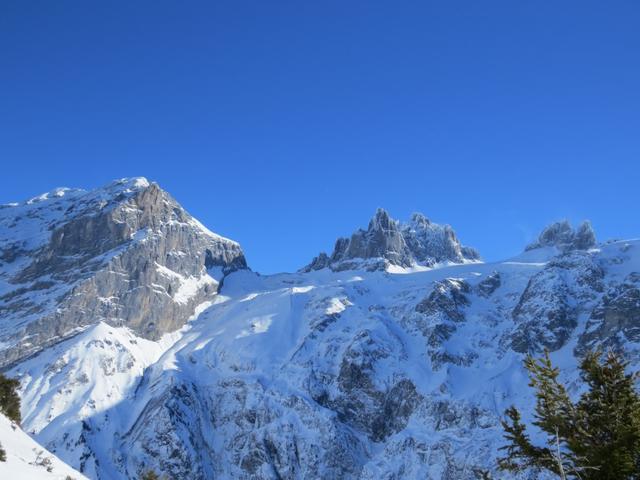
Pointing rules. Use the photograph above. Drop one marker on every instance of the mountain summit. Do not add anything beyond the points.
(387, 242)
(564, 237)
(125, 254)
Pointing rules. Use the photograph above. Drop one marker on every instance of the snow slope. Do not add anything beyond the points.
(82, 378)
(27, 460)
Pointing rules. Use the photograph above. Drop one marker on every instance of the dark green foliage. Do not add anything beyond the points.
(9, 399)
(3, 454)
(595, 438)
(150, 475)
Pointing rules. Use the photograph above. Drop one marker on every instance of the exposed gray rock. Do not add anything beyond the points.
(616, 318)
(388, 242)
(127, 254)
(446, 298)
(178, 422)
(359, 398)
(489, 285)
(430, 243)
(319, 262)
(442, 312)
(548, 310)
(562, 236)
(187, 434)
(382, 239)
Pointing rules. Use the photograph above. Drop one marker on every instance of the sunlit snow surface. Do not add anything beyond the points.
(27, 460)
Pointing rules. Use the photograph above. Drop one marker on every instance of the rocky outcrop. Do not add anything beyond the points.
(548, 310)
(126, 254)
(615, 321)
(430, 243)
(388, 242)
(443, 310)
(446, 298)
(360, 402)
(489, 285)
(564, 237)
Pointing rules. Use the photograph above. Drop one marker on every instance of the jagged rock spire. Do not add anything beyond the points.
(564, 237)
(389, 242)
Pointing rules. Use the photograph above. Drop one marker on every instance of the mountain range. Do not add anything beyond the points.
(142, 340)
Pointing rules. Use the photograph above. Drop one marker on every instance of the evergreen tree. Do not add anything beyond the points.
(9, 399)
(3, 454)
(595, 438)
(150, 475)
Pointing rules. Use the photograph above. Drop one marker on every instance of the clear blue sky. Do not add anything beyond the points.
(285, 124)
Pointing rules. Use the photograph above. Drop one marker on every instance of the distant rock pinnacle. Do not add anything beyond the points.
(562, 236)
(386, 241)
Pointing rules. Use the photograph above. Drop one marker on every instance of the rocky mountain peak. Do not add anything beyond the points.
(128, 184)
(381, 221)
(418, 220)
(127, 252)
(387, 242)
(564, 237)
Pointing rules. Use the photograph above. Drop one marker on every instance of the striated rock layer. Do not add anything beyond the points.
(126, 254)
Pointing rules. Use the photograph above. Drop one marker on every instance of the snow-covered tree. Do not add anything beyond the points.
(9, 399)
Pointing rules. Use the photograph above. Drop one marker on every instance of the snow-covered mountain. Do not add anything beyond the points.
(126, 254)
(394, 357)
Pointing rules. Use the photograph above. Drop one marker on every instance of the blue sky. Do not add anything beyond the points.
(285, 124)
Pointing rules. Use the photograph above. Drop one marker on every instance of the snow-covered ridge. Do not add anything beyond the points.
(56, 193)
(123, 185)
(29, 224)
(193, 221)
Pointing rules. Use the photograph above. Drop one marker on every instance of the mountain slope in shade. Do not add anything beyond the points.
(27, 460)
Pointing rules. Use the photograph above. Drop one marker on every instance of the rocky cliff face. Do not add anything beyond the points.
(550, 308)
(126, 254)
(388, 242)
(328, 373)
